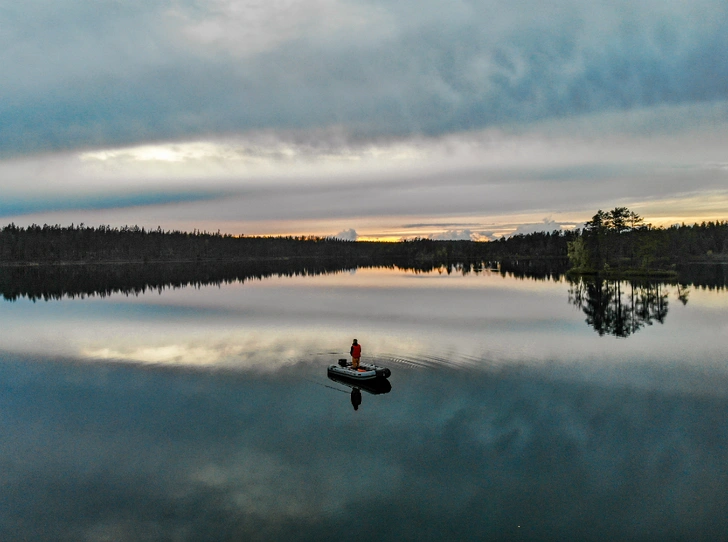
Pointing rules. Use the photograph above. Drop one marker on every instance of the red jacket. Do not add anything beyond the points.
(355, 351)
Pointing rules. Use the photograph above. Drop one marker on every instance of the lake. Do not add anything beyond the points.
(519, 409)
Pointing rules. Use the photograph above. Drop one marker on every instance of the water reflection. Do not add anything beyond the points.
(373, 387)
(56, 282)
(621, 308)
(511, 418)
(355, 398)
(474, 318)
(115, 453)
(683, 292)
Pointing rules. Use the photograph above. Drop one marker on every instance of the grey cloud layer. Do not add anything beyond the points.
(463, 193)
(466, 193)
(85, 75)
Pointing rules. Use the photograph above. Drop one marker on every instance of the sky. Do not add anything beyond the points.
(362, 119)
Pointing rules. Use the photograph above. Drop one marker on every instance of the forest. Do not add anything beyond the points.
(81, 244)
(52, 262)
(617, 240)
(620, 241)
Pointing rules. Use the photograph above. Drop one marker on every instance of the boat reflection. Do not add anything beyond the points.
(375, 387)
(378, 386)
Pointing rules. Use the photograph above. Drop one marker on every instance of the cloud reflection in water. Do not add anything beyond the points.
(483, 320)
(113, 451)
(505, 410)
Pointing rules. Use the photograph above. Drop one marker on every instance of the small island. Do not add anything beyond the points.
(619, 244)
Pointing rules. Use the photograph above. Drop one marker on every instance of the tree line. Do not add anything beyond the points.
(104, 244)
(620, 240)
(613, 240)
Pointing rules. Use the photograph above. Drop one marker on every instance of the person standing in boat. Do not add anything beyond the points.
(355, 352)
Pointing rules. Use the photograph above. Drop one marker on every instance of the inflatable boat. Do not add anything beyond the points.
(365, 373)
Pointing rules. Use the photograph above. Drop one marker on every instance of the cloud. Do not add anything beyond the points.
(439, 225)
(27, 205)
(547, 225)
(242, 115)
(586, 148)
(485, 236)
(463, 235)
(454, 235)
(347, 235)
(105, 74)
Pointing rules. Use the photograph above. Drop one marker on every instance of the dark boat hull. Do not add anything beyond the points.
(375, 387)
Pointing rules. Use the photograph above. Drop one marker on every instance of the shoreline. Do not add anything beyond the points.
(627, 273)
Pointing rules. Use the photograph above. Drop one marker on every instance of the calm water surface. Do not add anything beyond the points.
(519, 410)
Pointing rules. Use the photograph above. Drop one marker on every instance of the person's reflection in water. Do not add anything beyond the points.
(356, 398)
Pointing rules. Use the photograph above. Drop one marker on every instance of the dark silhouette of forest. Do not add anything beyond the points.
(80, 244)
(51, 262)
(619, 241)
(614, 240)
(46, 263)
